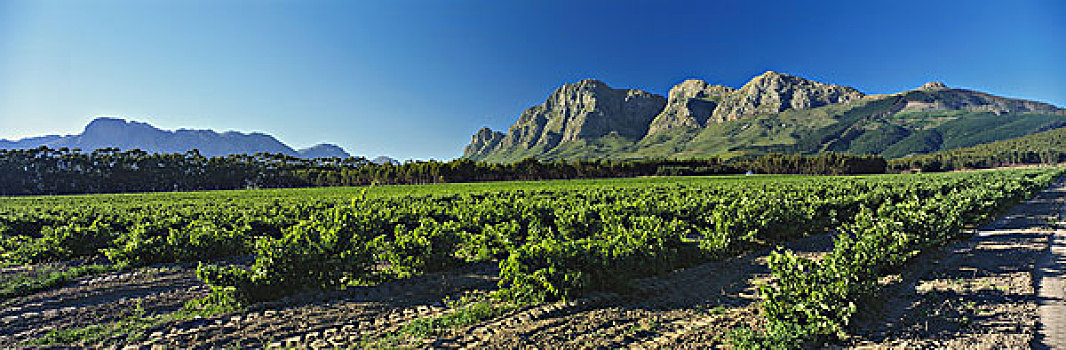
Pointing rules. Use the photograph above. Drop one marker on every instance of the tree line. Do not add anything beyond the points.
(70, 171)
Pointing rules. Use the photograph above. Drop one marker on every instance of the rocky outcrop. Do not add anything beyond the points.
(933, 85)
(695, 103)
(774, 92)
(937, 96)
(689, 105)
(484, 141)
(583, 110)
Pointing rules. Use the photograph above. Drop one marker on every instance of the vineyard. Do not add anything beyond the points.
(539, 244)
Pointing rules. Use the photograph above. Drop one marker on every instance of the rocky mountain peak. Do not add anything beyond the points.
(484, 140)
(103, 122)
(937, 96)
(109, 125)
(695, 88)
(933, 85)
(591, 108)
(774, 92)
(583, 87)
(689, 105)
(770, 76)
(323, 150)
(576, 111)
(485, 133)
(591, 83)
(382, 160)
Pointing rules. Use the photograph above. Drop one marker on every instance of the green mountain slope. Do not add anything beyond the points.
(1047, 147)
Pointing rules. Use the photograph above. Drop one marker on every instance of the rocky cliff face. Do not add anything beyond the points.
(937, 96)
(695, 103)
(576, 111)
(774, 92)
(933, 85)
(484, 141)
(690, 105)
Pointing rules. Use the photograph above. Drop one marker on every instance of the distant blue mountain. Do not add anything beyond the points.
(323, 150)
(381, 160)
(126, 135)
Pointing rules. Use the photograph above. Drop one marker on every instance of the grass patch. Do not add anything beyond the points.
(133, 328)
(47, 277)
(779, 337)
(468, 310)
(88, 334)
(466, 315)
(643, 326)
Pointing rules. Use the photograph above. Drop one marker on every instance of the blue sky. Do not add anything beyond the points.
(414, 79)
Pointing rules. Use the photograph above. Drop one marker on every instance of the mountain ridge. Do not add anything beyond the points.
(106, 132)
(773, 112)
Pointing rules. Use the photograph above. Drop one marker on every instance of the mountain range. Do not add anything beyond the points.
(774, 112)
(126, 135)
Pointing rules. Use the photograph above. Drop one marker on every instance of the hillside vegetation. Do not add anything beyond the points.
(1048, 147)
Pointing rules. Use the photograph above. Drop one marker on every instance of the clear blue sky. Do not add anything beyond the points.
(416, 79)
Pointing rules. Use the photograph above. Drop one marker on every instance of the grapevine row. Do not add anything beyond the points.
(816, 299)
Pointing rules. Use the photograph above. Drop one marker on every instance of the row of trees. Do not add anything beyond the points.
(465, 170)
(776, 163)
(65, 171)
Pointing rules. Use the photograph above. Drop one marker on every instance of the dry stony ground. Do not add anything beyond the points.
(977, 293)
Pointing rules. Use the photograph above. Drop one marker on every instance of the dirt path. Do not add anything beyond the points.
(1051, 290)
(990, 291)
